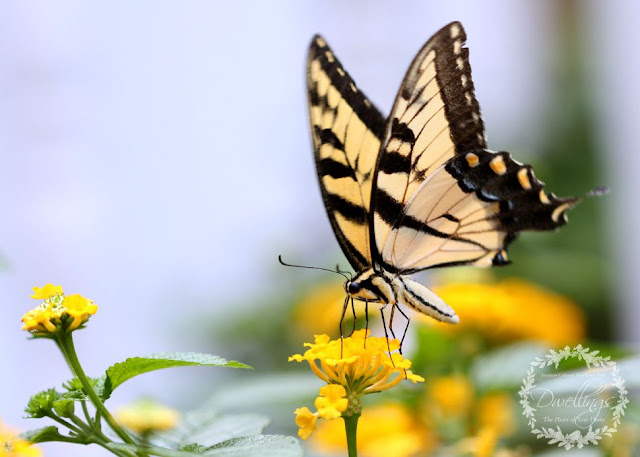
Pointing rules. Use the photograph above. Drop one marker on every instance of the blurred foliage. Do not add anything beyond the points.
(573, 261)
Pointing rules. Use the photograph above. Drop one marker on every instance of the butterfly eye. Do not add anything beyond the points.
(353, 287)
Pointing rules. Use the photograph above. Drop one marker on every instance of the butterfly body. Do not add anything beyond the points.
(419, 189)
(386, 288)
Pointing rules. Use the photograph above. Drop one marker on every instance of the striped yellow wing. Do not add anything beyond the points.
(346, 130)
(440, 197)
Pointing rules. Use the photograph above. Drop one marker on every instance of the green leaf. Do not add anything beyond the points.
(193, 447)
(250, 446)
(208, 427)
(258, 446)
(42, 435)
(159, 451)
(41, 404)
(64, 407)
(76, 390)
(121, 372)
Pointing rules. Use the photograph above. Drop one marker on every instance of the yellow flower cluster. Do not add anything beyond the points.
(57, 311)
(146, 416)
(351, 367)
(13, 446)
(513, 310)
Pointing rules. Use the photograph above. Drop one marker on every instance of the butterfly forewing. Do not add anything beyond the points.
(346, 130)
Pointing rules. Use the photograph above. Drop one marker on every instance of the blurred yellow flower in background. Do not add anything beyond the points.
(383, 431)
(146, 416)
(449, 396)
(513, 309)
(495, 411)
(13, 446)
(319, 309)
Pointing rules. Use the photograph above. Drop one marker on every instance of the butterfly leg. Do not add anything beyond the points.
(393, 310)
(353, 311)
(384, 326)
(366, 321)
(406, 327)
(344, 311)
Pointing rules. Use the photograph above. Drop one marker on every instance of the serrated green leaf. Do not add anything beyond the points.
(207, 427)
(250, 446)
(41, 404)
(193, 447)
(75, 395)
(123, 371)
(73, 386)
(154, 450)
(64, 407)
(42, 435)
(258, 446)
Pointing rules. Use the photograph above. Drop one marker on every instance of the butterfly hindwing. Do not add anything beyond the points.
(346, 129)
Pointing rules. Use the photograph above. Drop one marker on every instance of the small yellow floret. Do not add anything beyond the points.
(46, 292)
(80, 308)
(41, 319)
(306, 421)
(332, 401)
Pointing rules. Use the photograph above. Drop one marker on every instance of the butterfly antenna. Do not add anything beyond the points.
(338, 270)
(341, 273)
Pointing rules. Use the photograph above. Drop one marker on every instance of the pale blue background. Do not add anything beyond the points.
(154, 155)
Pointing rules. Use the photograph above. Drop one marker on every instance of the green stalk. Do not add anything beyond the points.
(351, 428)
(65, 343)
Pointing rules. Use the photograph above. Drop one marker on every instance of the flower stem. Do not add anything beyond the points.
(351, 428)
(65, 343)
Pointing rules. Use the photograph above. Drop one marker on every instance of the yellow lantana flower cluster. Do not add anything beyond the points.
(13, 446)
(351, 367)
(57, 311)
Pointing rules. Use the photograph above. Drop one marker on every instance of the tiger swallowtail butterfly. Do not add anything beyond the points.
(419, 189)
